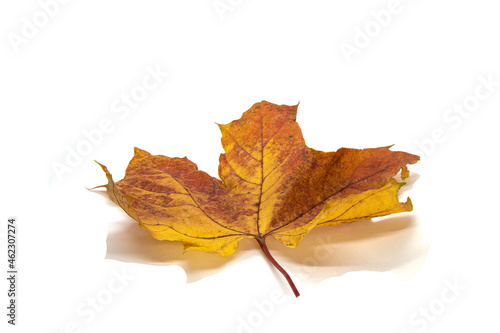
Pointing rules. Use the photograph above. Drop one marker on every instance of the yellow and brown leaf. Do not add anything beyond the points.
(271, 184)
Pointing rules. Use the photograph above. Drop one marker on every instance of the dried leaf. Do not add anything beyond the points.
(271, 184)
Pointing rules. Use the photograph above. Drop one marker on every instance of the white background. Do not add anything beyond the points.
(68, 75)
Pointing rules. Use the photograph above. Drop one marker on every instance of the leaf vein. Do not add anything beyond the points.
(323, 201)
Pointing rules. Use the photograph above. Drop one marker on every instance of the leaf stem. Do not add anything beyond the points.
(264, 248)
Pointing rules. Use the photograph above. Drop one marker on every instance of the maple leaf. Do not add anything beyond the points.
(271, 184)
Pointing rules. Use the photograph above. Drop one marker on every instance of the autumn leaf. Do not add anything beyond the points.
(271, 184)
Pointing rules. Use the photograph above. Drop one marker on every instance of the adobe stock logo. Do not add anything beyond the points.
(455, 115)
(429, 313)
(122, 106)
(263, 310)
(363, 37)
(31, 26)
(224, 6)
(89, 309)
